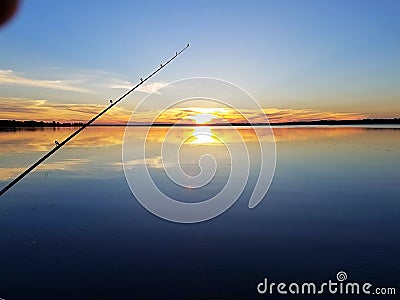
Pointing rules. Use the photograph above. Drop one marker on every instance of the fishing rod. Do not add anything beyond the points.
(112, 104)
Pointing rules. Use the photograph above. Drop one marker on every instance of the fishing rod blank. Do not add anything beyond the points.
(112, 104)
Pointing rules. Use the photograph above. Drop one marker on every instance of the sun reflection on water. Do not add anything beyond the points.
(202, 135)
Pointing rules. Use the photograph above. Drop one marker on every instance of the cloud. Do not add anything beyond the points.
(93, 82)
(9, 77)
(290, 115)
(275, 115)
(43, 110)
(145, 88)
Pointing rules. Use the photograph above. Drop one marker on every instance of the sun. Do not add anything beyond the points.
(203, 115)
(203, 118)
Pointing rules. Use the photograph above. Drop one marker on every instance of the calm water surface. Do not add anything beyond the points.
(72, 229)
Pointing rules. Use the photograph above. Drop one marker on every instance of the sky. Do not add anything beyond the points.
(301, 60)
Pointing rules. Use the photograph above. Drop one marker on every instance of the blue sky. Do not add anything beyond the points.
(333, 56)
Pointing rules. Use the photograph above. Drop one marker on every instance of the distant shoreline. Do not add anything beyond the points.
(41, 124)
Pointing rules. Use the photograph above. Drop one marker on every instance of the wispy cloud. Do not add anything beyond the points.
(94, 82)
(43, 110)
(145, 88)
(289, 115)
(9, 77)
(275, 115)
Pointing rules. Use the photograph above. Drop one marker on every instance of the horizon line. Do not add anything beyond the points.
(365, 121)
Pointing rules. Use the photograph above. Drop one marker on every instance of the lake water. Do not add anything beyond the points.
(73, 230)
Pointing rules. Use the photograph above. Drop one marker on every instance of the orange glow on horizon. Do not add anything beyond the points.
(22, 109)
